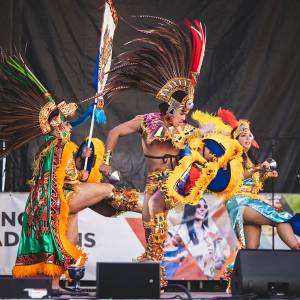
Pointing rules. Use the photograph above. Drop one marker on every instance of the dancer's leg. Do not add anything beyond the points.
(158, 233)
(146, 216)
(252, 236)
(253, 217)
(72, 230)
(286, 233)
(90, 194)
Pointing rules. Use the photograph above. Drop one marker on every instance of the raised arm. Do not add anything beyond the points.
(123, 129)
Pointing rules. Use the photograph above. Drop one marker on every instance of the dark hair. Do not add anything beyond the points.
(189, 220)
(252, 153)
(53, 114)
(179, 95)
(163, 107)
(232, 132)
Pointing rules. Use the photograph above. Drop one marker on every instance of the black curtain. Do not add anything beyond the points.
(251, 66)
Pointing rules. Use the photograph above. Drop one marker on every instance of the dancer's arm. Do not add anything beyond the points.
(123, 129)
(261, 168)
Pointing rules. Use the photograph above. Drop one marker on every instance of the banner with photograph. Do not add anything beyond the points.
(200, 238)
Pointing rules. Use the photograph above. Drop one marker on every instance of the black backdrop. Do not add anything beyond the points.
(252, 66)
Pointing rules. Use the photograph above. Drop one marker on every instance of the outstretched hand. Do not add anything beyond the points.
(265, 166)
(273, 174)
(105, 169)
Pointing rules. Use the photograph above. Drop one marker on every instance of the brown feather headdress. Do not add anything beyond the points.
(166, 64)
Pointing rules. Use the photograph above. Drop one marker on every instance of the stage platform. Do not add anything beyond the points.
(176, 295)
(188, 290)
(194, 296)
(167, 295)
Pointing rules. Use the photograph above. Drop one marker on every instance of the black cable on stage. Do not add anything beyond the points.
(182, 288)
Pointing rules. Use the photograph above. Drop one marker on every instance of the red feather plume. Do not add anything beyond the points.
(228, 117)
(198, 48)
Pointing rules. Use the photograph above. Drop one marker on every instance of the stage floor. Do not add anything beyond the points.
(194, 296)
(181, 295)
(167, 295)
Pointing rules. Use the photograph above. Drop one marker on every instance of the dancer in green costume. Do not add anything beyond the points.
(49, 233)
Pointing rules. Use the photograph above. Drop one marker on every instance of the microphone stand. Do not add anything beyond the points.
(273, 195)
(3, 175)
(273, 202)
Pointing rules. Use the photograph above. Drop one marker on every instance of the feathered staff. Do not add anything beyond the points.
(95, 111)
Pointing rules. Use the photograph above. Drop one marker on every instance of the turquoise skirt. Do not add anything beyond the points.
(235, 211)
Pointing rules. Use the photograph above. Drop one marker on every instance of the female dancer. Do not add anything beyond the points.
(246, 210)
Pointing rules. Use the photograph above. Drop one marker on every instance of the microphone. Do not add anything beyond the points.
(298, 176)
(273, 164)
(114, 177)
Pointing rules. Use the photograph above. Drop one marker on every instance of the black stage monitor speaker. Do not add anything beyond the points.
(128, 280)
(24, 287)
(267, 273)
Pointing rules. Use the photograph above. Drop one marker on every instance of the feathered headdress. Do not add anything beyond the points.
(166, 65)
(238, 126)
(25, 105)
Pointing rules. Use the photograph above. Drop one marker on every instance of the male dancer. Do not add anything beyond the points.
(167, 68)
